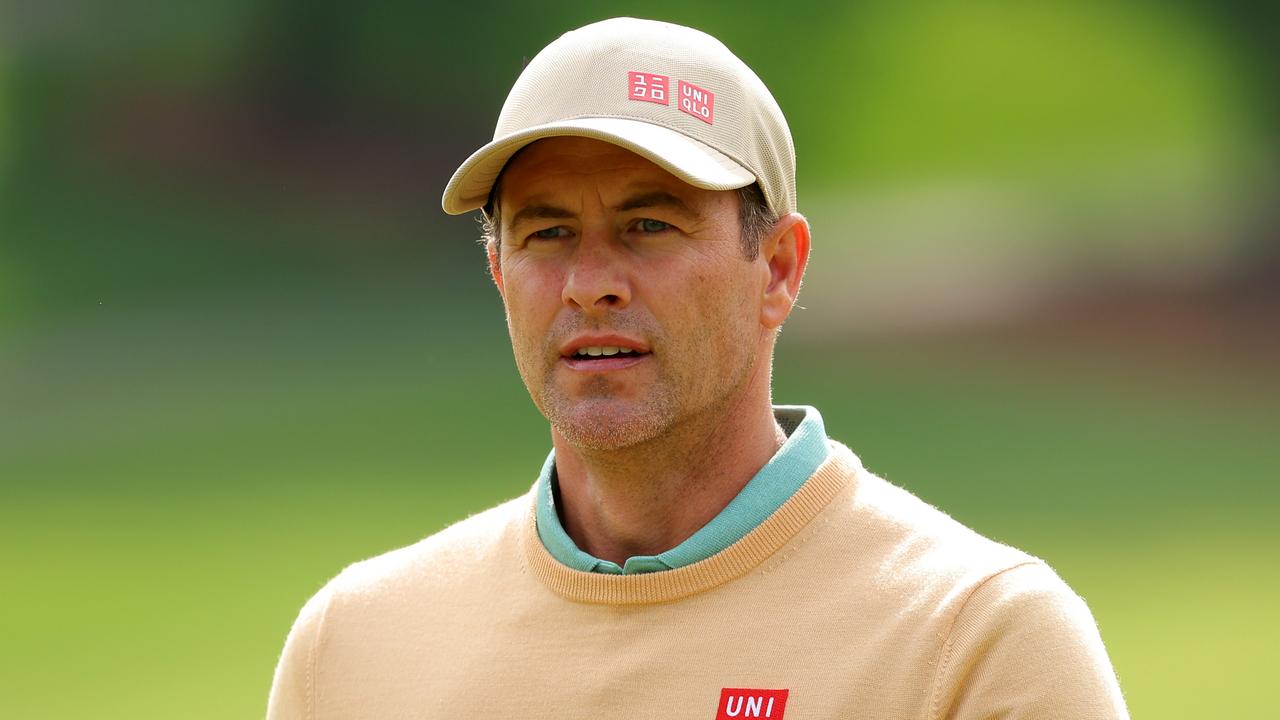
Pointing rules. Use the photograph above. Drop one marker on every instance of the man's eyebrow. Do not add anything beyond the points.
(538, 212)
(658, 198)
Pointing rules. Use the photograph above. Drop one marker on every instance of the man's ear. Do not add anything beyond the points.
(495, 266)
(785, 252)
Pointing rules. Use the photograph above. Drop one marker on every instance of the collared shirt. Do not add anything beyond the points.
(804, 450)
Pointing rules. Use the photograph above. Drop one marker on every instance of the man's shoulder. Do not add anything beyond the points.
(475, 545)
(915, 543)
(400, 599)
(996, 620)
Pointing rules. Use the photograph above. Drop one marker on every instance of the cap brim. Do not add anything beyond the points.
(694, 162)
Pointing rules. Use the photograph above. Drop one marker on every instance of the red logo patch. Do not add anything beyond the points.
(698, 102)
(751, 703)
(648, 87)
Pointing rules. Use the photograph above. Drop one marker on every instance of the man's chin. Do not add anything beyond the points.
(606, 426)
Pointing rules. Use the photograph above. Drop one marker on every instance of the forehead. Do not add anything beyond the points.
(555, 162)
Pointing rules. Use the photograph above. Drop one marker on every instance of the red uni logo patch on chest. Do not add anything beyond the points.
(751, 703)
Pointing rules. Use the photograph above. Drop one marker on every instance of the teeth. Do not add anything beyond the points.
(605, 350)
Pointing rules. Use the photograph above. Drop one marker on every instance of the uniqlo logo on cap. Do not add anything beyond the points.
(698, 102)
(648, 87)
(751, 703)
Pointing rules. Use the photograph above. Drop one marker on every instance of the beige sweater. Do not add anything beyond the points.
(854, 600)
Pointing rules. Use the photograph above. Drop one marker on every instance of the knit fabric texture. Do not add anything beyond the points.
(854, 597)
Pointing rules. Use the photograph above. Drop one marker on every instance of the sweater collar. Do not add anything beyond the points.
(803, 451)
(836, 474)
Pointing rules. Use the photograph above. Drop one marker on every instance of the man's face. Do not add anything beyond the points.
(602, 251)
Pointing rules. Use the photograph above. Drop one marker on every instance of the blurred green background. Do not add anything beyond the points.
(241, 347)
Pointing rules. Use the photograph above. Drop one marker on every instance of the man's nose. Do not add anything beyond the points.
(597, 279)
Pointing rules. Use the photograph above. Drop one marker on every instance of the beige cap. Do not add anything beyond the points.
(670, 93)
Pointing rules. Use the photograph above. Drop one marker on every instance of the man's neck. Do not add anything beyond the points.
(646, 499)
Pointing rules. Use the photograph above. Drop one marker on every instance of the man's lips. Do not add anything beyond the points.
(603, 364)
(602, 346)
(602, 353)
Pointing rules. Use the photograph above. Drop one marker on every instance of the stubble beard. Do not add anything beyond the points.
(598, 420)
(596, 417)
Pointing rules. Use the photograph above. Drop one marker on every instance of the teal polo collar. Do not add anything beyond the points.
(804, 450)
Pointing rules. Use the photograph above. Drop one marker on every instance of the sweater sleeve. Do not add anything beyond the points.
(1024, 645)
(293, 688)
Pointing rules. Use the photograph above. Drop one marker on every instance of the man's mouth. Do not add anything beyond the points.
(594, 351)
(612, 353)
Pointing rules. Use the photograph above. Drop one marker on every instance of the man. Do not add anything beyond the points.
(688, 550)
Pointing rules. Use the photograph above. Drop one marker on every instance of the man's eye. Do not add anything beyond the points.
(550, 233)
(649, 225)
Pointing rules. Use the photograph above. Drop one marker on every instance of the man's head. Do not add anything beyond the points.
(643, 234)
